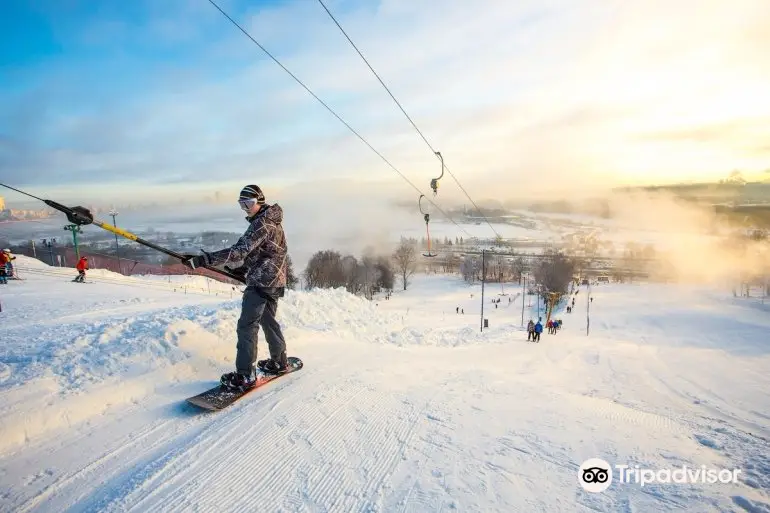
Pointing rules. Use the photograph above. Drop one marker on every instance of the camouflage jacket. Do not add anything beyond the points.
(260, 253)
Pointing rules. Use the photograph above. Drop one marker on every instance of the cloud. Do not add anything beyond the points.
(729, 130)
(522, 98)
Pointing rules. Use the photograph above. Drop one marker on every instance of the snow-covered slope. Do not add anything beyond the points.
(403, 405)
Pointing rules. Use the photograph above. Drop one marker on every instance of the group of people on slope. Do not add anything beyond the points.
(534, 329)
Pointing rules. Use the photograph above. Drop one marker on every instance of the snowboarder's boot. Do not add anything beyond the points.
(238, 381)
(271, 366)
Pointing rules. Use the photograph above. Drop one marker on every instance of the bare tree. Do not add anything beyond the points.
(488, 271)
(325, 270)
(291, 278)
(405, 258)
(554, 273)
(498, 269)
(368, 275)
(385, 275)
(450, 263)
(353, 283)
(469, 268)
(584, 248)
(518, 268)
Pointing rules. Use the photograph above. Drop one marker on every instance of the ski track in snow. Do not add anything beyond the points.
(402, 405)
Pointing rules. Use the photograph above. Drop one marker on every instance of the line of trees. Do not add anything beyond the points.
(552, 270)
(496, 268)
(366, 276)
(370, 274)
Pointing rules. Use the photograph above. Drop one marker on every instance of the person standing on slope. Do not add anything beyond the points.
(262, 252)
(538, 329)
(9, 258)
(3, 261)
(82, 267)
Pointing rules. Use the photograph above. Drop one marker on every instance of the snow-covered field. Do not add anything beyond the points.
(403, 405)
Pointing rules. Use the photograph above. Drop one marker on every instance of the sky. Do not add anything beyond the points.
(125, 101)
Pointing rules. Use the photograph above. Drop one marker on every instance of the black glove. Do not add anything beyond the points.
(193, 261)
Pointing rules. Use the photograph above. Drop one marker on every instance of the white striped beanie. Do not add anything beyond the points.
(252, 191)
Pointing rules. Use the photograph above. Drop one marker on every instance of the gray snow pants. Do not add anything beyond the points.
(258, 309)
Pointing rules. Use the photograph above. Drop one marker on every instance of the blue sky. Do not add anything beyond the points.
(148, 97)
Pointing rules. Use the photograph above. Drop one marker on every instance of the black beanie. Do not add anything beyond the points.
(253, 191)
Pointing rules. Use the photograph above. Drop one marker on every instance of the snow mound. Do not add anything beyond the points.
(30, 263)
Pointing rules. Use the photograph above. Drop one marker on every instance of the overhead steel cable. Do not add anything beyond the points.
(352, 130)
(436, 153)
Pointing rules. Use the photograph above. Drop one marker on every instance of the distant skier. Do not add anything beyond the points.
(261, 251)
(530, 330)
(82, 267)
(9, 272)
(457, 310)
(3, 262)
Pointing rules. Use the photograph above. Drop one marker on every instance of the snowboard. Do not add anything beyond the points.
(221, 397)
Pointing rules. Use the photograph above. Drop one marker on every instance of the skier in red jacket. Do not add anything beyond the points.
(82, 267)
(4, 259)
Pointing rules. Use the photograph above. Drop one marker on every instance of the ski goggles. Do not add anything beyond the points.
(247, 203)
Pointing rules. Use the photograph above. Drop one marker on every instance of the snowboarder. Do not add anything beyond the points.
(82, 267)
(262, 253)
